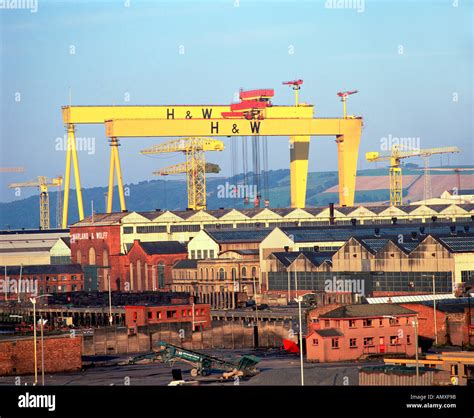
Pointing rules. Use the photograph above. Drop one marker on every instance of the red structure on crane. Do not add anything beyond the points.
(251, 106)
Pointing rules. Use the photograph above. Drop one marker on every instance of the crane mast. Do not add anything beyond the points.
(195, 166)
(395, 172)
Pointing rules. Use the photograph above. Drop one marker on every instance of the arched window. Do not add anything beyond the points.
(212, 274)
(92, 260)
(254, 271)
(234, 273)
(105, 258)
(207, 274)
(202, 273)
(79, 257)
(221, 274)
(244, 272)
(161, 275)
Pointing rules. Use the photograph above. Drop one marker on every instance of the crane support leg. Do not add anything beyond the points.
(118, 168)
(110, 192)
(299, 152)
(72, 152)
(347, 152)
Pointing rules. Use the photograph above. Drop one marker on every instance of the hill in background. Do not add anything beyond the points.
(372, 186)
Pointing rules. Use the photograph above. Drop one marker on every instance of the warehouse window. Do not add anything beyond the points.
(128, 229)
(193, 254)
(211, 253)
(353, 343)
(161, 275)
(150, 229)
(335, 343)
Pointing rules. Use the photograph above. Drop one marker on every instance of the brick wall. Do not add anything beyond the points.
(426, 326)
(60, 354)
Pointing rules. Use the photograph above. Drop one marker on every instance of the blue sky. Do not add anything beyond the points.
(134, 51)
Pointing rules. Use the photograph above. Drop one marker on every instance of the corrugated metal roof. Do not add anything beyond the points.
(411, 298)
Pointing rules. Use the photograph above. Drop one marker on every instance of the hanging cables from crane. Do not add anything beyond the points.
(256, 169)
(245, 169)
(265, 171)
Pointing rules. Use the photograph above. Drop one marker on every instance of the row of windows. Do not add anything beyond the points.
(59, 289)
(49, 278)
(202, 254)
(151, 229)
(367, 342)
(209, 274)
(380, 281)
(197, 227)
(367, 323)
(92, 258)
(467, 275)
(172, 314)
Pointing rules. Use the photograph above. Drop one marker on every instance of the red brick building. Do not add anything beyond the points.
(137, 267)
(148, 265)
(40, 279)
(98, 249)
(353, 332)
(452, 320)
(136, 316)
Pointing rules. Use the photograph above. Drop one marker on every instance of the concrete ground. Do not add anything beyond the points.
(276, 368)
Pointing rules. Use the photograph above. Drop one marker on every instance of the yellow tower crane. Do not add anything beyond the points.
(194, 148)
(395, 171)
(43, 184)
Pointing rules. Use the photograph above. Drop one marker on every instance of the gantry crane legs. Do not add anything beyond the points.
(347, 131)
(76, 115)
(395, 171)
(71, 152)
(115, 167)
(43, 186)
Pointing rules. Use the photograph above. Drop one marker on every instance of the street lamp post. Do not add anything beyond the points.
(434, 311)
(33, 301)
(111, 319)
(415, 324)
(43, 322)
(299, 299)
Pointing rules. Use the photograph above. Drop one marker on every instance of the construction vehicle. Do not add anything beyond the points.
(43, 184)
(202, 364)
(195, 166)
(395, 171)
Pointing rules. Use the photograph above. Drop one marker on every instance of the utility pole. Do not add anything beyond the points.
(33, 301)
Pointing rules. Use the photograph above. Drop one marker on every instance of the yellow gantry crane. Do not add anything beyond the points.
(43, 184)
(195, 167)
(395, 171)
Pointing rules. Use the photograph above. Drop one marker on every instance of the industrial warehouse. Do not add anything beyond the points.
(216, 196)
